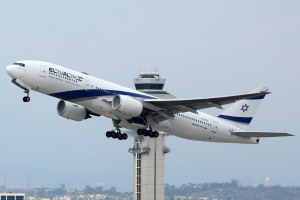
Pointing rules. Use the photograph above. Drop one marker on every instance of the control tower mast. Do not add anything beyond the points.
(148, 153)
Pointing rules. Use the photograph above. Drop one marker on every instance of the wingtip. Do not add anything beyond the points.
(261, 89)
(266, 92)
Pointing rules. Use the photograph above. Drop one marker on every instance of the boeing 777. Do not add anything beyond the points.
(82, 95)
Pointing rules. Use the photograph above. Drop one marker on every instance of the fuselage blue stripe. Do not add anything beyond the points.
(78, 94)
(245, 120)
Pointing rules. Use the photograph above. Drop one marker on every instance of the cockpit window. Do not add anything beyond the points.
(20, 64)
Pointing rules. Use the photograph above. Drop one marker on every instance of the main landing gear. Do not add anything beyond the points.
(26, 98)
(148, 132)
(116, 134)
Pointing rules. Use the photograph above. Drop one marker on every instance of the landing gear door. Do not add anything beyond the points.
(43, 71)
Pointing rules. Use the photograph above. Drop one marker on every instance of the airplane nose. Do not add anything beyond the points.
(10, 71)
(15, 71)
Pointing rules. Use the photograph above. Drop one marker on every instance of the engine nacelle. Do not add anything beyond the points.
(128, 106)
(71, 111)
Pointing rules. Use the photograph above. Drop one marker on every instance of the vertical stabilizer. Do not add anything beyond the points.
(242, 112)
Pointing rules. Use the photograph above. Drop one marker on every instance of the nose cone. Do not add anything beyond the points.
(10, 71)
(15, 71)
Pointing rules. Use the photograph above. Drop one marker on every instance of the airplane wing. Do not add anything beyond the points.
(166, 108)
(260, 134)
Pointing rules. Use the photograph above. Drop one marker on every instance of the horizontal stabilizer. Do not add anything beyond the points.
(260, 134)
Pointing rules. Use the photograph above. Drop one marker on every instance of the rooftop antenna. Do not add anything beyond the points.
(5, 180)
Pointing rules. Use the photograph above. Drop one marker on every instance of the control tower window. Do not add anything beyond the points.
(20, 64)
(10, 197)
(149, 86)
(148, 76)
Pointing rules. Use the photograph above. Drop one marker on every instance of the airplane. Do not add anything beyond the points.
(82, 96)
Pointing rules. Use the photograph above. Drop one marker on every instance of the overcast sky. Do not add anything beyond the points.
(203, 49)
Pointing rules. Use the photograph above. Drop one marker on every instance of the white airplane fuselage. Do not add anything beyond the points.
(95, 95)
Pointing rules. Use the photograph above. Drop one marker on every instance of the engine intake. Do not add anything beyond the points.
(128, 106)
(71, 111)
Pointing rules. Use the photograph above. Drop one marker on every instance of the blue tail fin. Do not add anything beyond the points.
(242, 112)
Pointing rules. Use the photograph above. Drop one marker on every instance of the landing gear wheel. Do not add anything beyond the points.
(156, 134)
(26, 99)
(151, 134)
(108, 134)
(145, 132)
(124, 136)
(114, 134)
(148, 132)
(140, 131)
(119, 135)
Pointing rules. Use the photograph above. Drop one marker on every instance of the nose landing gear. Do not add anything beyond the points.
(26, 98)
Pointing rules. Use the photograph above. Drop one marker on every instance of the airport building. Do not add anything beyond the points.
(148, 153)
(12, 196)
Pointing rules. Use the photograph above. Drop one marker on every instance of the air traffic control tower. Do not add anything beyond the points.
(148, 153)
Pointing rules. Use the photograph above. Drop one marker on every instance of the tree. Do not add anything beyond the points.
(88, 190)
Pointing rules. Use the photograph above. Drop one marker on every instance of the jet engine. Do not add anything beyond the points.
(128, 106)
(71, 111)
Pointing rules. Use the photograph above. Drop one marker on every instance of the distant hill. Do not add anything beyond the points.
(230, 191)
(203, 191)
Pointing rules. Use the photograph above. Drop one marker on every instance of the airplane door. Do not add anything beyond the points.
(86, 84)
(43, 71)
(214, 127)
